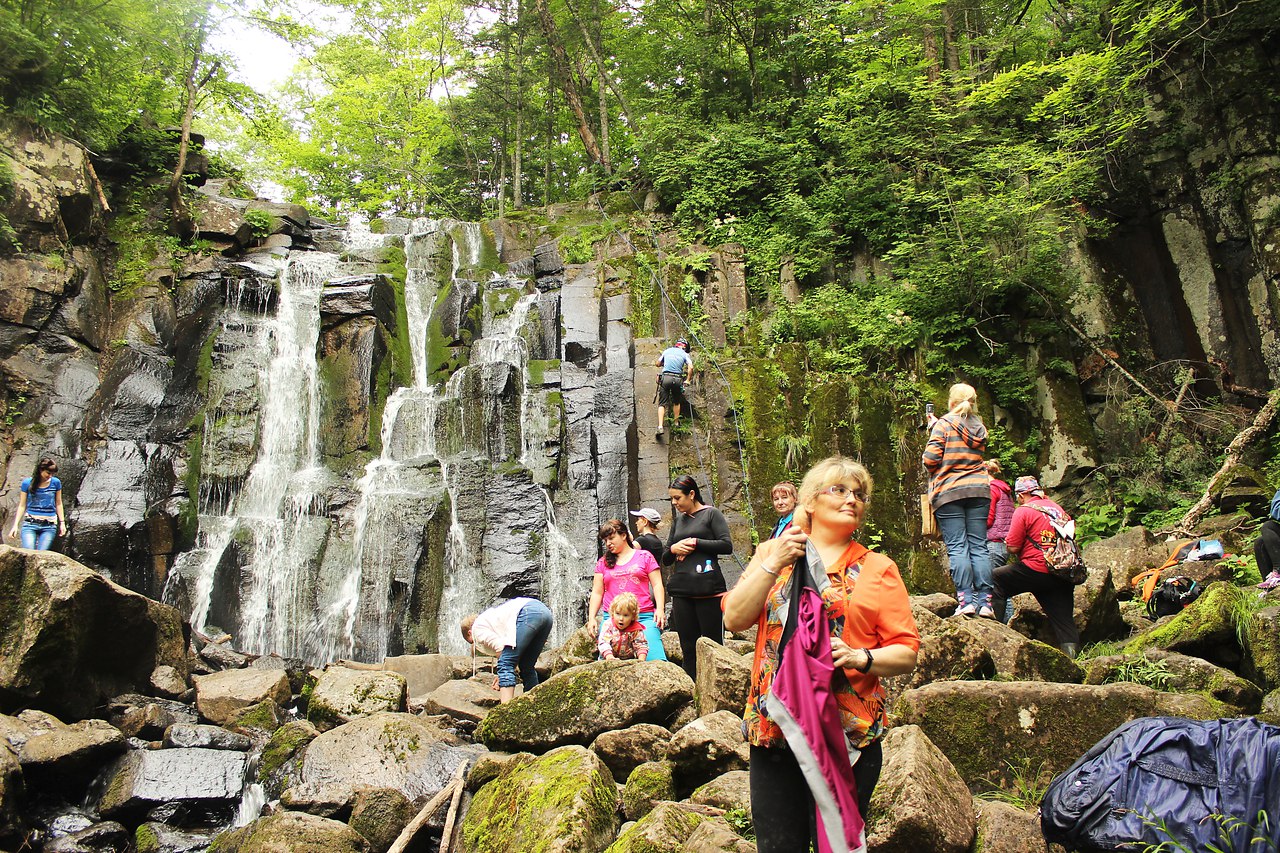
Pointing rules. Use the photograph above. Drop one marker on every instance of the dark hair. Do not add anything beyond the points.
(609, 528)
(46, 463)
(688, 485)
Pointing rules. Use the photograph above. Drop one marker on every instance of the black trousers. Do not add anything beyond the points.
(1057, 597)
(693, 618)
(1266, 550)
(781, 805)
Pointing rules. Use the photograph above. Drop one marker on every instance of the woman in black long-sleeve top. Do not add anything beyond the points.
(699, 536)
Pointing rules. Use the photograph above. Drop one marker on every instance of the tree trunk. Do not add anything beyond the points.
(950, 44)
(517, 154)
(932, 73)
(565, 71)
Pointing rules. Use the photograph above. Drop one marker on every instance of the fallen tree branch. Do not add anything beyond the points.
(1235, 450)
(433, 805)
(446, 843)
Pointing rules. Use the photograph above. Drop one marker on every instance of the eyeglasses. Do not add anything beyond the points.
(842, 493)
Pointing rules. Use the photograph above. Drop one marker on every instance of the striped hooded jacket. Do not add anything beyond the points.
(953, 458)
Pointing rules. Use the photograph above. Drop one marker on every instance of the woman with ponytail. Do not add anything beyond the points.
(960, 491)
(699, 536)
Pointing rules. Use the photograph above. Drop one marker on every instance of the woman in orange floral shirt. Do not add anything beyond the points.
(873, 635)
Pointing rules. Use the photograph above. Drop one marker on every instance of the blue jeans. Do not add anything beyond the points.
(533, 626)
(37, 535)
(652, 635)
(1000, 557)
(963, 524)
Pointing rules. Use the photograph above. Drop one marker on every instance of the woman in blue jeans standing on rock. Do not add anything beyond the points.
(516, 632)
(960, 491)
(40, 513)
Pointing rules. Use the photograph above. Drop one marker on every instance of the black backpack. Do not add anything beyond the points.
(1171, 595)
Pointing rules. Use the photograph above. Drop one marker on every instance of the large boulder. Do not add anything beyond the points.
(577, 705)
(278, 764)
(379, 814)
(948, 650)
(1204, 629)
(416, 756)
(1005, 828)
(70, 639)
(1262, 648)
(221, 696)
(342, 694)
(716, 835)
(295, 832)
(991, 731)
(143, 779)
(562, 802)
(920, 803)
(626, 749)
(708, 747)
(1177, 673)
(648, 785)
(1125, 555)
(662, 830)
(11, 791)
(1018, 658)
(422, 673)
(731, 792)
(461, 699)
(724, 677)
(72, 754)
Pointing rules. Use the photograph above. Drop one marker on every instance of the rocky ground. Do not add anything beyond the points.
(130, 732)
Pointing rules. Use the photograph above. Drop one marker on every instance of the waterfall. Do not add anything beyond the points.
(449, 516)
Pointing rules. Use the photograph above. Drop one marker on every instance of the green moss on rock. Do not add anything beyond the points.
(649, 782)
(565, 799)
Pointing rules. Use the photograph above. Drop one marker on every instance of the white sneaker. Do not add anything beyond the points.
(658, 431)
(986, 612)
(967, 610)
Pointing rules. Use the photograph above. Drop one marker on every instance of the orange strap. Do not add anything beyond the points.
(1151, 577)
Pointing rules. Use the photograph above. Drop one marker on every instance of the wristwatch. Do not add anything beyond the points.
(870, 661)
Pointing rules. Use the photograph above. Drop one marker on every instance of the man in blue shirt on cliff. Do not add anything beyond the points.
(677, 368)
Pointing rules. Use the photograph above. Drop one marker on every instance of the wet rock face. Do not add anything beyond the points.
(104, 639)
(143, 779)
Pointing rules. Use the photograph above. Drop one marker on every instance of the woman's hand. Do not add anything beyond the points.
(13, 532)
(660, 619)
(593, 627)
(685, 547)
(845, 656)
(783, 550)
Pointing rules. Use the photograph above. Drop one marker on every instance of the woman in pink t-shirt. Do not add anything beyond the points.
(625, 568)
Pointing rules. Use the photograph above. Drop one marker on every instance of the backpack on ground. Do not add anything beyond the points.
(1159, 781)
(1064, 559)
(1172, 595)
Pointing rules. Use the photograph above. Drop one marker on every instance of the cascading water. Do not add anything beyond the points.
(447, 518)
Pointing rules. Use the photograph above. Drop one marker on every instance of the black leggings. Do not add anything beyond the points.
(1057, 597)
(782, 806)
(693, 618)
(1266, 550)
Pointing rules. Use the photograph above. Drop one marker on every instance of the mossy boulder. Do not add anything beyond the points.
(579, 704)
(379, 814)
(707, 747)
(1175, 673)
(70, 639)
(1204, 629)
(662, 830)
(296, 832)
(1270, 711)
(415, 755)
(649, 784)
(562, 802)
(730, 791)
(626, 749)
(1262, 653)
(990, 730)
(222, 696)
(1016, 657)
(920, 803)
(278, 764)
(341, 695)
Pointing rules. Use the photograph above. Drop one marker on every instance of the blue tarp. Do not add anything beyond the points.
(1157, 779)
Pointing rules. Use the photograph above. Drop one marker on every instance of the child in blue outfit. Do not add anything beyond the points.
(40, 512)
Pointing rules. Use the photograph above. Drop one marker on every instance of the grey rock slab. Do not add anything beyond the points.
(186, 736)
(142, 779)
(221, 695)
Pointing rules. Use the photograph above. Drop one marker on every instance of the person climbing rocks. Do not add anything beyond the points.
(1030, 535)
(677, 368)
(516, 632)
(40, 513)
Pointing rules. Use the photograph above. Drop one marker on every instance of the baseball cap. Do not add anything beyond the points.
(650, 514)
(1027, 484)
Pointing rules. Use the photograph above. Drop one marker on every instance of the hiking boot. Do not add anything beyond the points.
(986, 612)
